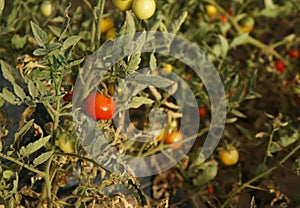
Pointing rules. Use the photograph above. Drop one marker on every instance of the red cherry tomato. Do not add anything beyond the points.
(202, 111)
(280, 66)
(210, 190)
(100, 107)
(223, 18)
(293, 53)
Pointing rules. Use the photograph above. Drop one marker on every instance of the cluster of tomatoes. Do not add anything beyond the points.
(292, 54)
(246, 23)
(107, 27)
(143, 9)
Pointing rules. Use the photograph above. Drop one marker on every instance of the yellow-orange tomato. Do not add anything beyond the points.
(111, 34)
(106, 24)
(122, 5)
(247, 24)
(161, 135)
(211, 10)
(174, 137)
(167, 69)
(229, 156)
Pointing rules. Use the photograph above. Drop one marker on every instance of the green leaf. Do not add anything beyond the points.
(175, 26)
(34, 146)
(19, 92)
(153, 61)
(239, 40)
(40, 52)
(245, 132)
(19, 134)
(8, 96)
(137, 102)
(7, 174)
(39, 35)
(271, 12)
(207, 173)
(129, 25)
(157, 81)
(252, 204)
(224, 46)
(287, 140)
(8, 73)
(75, 62)
(42, 158)
(2, 5)
(33, 91)
(238, 114)
(18, 41)
(69, 44)
(133, 63)
(54, 46)
(274, 147)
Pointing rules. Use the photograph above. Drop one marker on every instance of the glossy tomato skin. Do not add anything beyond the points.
(229, 156)
(111, 34)
(211, 10)
(100, 107)
(202, 111)
(106, 24)
(174, 137)
(46, 8)
(280, 66)
(122, 5)
(143, 9)
(65, 144)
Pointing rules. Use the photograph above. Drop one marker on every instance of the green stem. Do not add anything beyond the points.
(270, 170)
(100, 9)
(42, 174)
(48, 182)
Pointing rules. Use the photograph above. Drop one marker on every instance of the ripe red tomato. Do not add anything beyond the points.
(100, 107)
(202, 111)
(174, 137)
(223, 18)
(210, 190)
(280, 66)
(293, 53)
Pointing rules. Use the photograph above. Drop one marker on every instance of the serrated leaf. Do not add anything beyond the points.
(69, 44)
(137, 102)
(24, 129)
(34, 146)
(8, 96)
(19, 92)
(239, 40)
(32, 89)
(224, 46)
(8, 73)
(42, 158)
(133, 63)
(39, 35)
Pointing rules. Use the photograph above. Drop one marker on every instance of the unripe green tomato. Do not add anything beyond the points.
(247, 24)
(66, 144)
(46, 8)
(122, 5)
(143, 9)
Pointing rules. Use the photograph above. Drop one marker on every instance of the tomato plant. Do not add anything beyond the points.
(143, 9)
(211, 10)
(247, 24)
